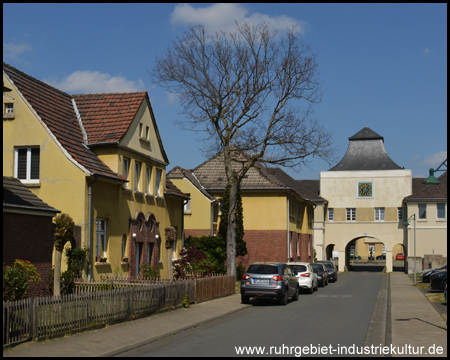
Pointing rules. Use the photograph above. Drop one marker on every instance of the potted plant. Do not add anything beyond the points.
(125, 259)
(98, 259)
(103, 258)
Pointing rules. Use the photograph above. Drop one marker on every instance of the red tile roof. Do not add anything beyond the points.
(56, 110)
(107, 117)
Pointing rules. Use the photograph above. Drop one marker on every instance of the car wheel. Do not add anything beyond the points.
(317, 286)
(335, 278)
(444, 283)
(295, 297)
(311, 290)
(284, 298)
(245, 299)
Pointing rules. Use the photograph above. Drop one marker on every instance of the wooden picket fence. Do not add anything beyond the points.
(108, 300)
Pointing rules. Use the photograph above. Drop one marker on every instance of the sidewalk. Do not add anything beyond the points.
(414, 323)
(414, 320)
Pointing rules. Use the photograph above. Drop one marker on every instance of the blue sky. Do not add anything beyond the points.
(383, 65)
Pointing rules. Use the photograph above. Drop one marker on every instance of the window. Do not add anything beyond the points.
(310, 214)
(371, 248)
(400, 214)
(351, 214)
(126, 170)
(147, 133)
(140, 130)
(299, 213)
(27, 164)
(422, 211)
(330, 214)
(441, 211)
(9, 108)
(379, 214)
(100, 226)
(148, 179)
(187, 206)
(137, 177)
(158, 182)
(124, 245)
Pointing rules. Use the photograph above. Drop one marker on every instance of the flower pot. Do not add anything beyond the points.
(103, 260)
(98, 259)
(124, 259)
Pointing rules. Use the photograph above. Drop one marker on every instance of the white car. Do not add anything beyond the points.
(307, 278)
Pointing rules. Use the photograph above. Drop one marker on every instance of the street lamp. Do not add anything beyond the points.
(406, 223)
(431, 180)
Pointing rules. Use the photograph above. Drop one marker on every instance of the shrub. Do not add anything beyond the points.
(192, 261)
(149, 271)
(17, 279)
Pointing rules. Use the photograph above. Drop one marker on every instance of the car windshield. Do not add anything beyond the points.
(299, 268)
(317, 267)
(262, 269)
(329, 266)
(443, 267)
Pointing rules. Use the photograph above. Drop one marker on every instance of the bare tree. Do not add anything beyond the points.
(243, 90)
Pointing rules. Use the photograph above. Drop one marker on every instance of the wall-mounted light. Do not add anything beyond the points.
(134, 235)
(157, 236)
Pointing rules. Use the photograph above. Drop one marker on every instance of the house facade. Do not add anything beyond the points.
(367, 198)
(277, 215)
(27, 229)
(100, 159)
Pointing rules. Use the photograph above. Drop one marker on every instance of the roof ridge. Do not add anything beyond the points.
(112, 93)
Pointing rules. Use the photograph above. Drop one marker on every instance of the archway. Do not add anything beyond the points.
(399, 264)
(329, 252)
(365, 253)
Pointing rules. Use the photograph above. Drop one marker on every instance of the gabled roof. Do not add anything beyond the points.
(56, 110)
(366, 152)
(210, 176)
(107, 117)
(422, 192)
(18, 197)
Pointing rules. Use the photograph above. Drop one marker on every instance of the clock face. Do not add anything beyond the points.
(365, 189)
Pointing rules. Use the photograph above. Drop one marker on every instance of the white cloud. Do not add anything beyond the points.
(12, 51)
(223, 17)
(434, 160)
(92, 82)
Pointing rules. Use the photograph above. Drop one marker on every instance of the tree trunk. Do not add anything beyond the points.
(57, 272)
(231, 233)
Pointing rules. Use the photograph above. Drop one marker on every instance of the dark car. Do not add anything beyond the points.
(381, 257)
(269, 280)
(322, 273)
(354, 257)
(439, 280)
(425, 275)
(332, 270)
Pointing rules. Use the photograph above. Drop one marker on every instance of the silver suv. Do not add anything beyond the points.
(269, 280)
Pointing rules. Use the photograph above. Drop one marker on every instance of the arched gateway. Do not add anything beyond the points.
(364, 196)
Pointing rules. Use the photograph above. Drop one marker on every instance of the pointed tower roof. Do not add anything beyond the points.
(366, 152)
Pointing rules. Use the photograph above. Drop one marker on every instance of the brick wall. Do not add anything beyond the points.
(28, 237)
(196, 232)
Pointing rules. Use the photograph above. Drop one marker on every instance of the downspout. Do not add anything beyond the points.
(182, 223)
(288, 249)
(212, 218)
(90, 226)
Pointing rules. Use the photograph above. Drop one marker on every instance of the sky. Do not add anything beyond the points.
(382, 65)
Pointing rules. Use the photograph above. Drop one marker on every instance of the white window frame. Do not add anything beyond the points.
(102, 243)
(330, 214)
(126, 171)
(137, 176)
(437, 212)
(28, 179)
(379, 214)
(400, 215)
(187, 206)
(372, 246)
(351, 214)
(418, 212)
(148, 179)
(158, 182)
(9, 108)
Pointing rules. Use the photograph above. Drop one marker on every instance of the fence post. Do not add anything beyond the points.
(30, 318)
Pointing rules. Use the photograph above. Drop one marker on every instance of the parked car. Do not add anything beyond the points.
(445, 292)
(425, 275)
(439, 280)
(307, 278)
(332, 270)
(322, 273)
(381, 257)
(400, 256)
(269, 280)
(354, 257)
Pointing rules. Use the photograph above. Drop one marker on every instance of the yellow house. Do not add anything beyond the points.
(100, 159)
(278, 215)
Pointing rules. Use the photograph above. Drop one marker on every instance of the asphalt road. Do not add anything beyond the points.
(337, 315)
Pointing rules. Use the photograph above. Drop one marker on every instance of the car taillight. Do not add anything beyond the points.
(306, 275)
(245, 277)
(277, 278)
